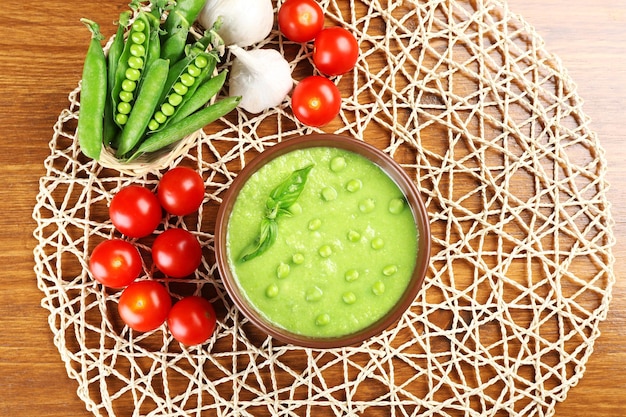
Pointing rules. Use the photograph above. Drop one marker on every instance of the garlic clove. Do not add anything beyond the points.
(245, 22)
(262, 77)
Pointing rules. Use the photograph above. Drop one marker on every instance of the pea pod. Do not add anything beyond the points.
(176, 131)
(113, 57)
(147, 100)
(130, 68)
(182, 83)
(201, 97)
(93, 95)
(154, 45)
(177, 25)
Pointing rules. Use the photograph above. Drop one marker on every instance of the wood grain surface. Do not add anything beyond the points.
(41, 51)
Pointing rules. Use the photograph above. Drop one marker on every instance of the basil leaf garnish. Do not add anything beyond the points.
(276, 206)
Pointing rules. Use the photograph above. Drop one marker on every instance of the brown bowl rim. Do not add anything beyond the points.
(388, 165)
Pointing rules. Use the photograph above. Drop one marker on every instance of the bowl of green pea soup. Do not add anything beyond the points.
(322, 241)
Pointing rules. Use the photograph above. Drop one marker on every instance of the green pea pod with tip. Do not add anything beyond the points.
(93, 95)
(143, 109)
(183, 12)
(173, 47)
(115, 52)
(154, 45)
(176, 131)
(132, 62)
(177, 25)
(201, 97)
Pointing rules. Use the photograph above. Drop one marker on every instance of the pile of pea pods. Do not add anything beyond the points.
(154, 87)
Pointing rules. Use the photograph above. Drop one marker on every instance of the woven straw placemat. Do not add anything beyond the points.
(464, 96)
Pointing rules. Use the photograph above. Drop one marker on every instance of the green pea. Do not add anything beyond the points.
(201, 61)
(389, 270)
(121, 118)
(396, 206)
(139, 26)
(315, 224)
(297, 258)
(167, 109)
(137, 50)
(135, 62)
(283, 270)
(329, 194)
(378, 288)
(271, 291)
(378, 243)
(187, 80)
(354, 236)
(338, 163)
(153, 124)
(193, 71)
(160, 117)
(129, 85)
(351, 275)
(349, 297)
(124, 107)
(325, 251)
(126, 96)
(138, 38)
(180, 88)
(322, 319)
(354, 185)
(133, 74)
(175, 99)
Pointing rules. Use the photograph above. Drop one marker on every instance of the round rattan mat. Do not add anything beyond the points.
(465, 97)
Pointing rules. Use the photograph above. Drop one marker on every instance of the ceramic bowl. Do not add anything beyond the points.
(394, 171)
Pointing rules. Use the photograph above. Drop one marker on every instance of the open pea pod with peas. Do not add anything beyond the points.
(136, 100)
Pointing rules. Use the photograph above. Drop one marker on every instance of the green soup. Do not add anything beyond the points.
(341, 260)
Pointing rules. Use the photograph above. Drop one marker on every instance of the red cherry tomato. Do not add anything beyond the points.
(335, 51)
(192, 320)
(144, 305)
(315, 101)
(176, 252)
(135, 211)
(115, 263)
(181, 191)
(300, 20)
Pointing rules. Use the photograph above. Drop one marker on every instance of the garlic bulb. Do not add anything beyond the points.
(262, 77)
(245, 22)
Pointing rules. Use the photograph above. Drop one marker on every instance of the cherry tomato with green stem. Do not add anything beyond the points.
(135, 211)
(192, 320)
(316, 101)
(176, 252)
(181, 191)
(335, 51)
(144, 305)
(115, 263)
(300, 20)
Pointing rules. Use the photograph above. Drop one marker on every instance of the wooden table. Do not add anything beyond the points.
(41, 51)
